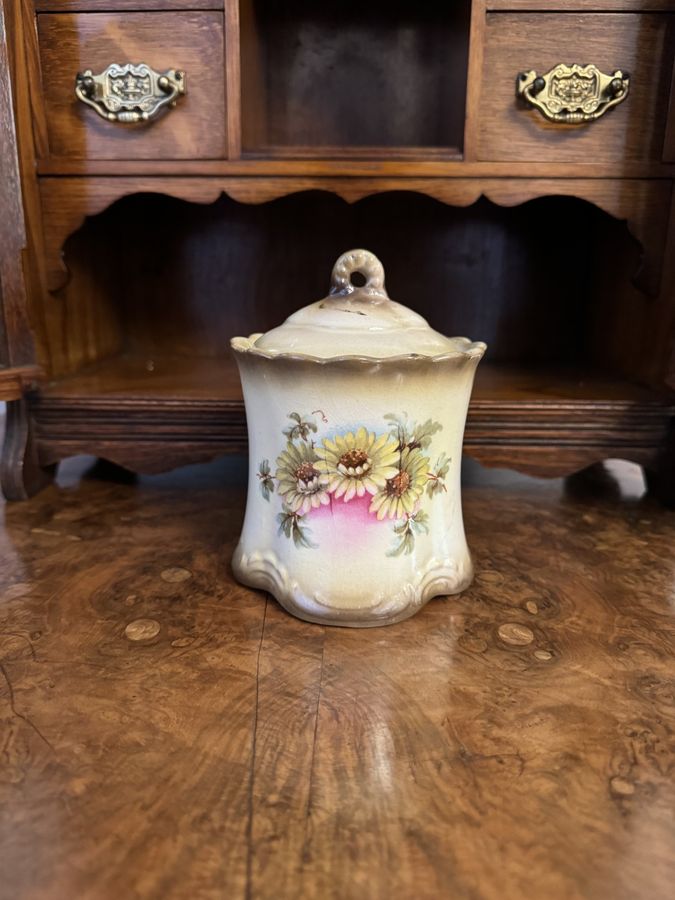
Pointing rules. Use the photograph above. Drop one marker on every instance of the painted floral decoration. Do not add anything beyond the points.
(301, 484)
(403, 489)
(355, 463)
(393, 467)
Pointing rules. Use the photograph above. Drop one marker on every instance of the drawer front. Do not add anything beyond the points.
(639, 44)
(191, 41)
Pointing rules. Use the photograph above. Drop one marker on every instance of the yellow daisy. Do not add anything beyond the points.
(402, 490)
(301, 484)
(354, 463)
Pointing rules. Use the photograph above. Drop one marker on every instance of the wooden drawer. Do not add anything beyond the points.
(640, 44)
(192, 41)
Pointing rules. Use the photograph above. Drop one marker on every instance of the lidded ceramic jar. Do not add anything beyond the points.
(356, 410)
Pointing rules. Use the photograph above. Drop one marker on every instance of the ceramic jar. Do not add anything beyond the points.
(356, 411)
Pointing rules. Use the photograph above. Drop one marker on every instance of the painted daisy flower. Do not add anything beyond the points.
(402, 490)
(354, 463)
(301, 484)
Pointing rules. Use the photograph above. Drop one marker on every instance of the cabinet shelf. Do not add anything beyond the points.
(170, 378)
(179, 409)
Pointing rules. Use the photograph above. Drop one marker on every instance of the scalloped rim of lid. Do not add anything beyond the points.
(468, 349)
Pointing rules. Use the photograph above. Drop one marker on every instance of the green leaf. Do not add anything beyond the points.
(405, 545)
(399, 428)
(422, 434)
(301, 537)
(301, 428)
(435, 487)
(289, 525)
(419, 522)
(265, 478)
(436, 484)
(405, 531)
(285, 521)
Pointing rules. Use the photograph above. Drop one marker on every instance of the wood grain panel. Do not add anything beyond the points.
(669, 141)
(580, 5)
(60, 6)
(31, 132)
(633, 131)
(233, 78)
(474, 79)
(16, 340)
(15, 381)
(645, 204)
(169, 734)
(434, 164)
(193, 41)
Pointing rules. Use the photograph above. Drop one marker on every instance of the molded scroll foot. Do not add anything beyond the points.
(21, 476)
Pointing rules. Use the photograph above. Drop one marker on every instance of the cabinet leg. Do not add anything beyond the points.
(661, 477)
(661, 484)
(21, 476)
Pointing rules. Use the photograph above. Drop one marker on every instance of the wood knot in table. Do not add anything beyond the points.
(142, 629)
(516, 634)
(175, 574)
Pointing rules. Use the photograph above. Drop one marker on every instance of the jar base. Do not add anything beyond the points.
(264, 571)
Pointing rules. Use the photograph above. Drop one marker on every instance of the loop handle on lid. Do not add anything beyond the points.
(368, 265)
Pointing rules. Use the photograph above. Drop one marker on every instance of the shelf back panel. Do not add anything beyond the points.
(351, 74)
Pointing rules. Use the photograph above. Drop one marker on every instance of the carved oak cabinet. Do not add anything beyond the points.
(178, 171)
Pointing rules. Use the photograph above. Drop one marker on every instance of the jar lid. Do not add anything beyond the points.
(356, 321)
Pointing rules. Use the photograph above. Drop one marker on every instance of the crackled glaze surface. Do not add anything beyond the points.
(356, 412)
(337, 561)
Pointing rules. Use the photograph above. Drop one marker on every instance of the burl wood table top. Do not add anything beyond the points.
(165, 733)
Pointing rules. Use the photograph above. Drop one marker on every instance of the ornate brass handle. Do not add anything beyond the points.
(130, 93)
(573, 94)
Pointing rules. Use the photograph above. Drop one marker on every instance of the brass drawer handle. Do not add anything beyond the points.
(573, 94)
(130, 93)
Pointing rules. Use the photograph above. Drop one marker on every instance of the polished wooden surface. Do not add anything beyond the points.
(216, 378)
(575, 5)
(71, 43)
(124, 5)
(633, 131)
(169, 734)
(370, 162)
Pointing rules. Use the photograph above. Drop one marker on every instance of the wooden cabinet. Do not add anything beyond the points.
(306, 129)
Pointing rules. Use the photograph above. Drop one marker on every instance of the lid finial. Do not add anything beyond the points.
(368, 265)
